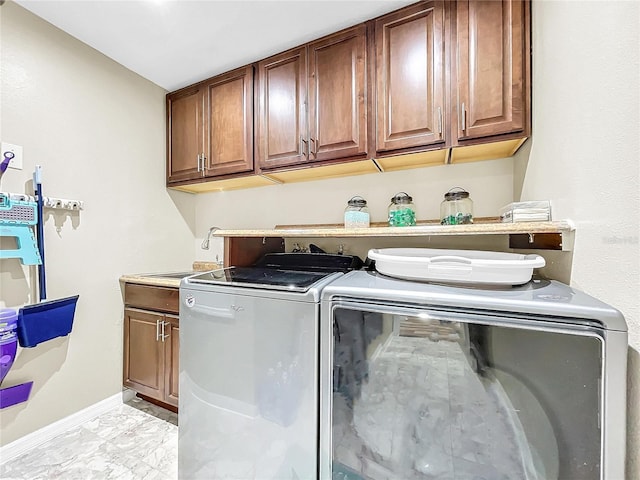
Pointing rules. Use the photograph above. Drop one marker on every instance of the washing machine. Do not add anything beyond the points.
(433, 381)
(249, 368)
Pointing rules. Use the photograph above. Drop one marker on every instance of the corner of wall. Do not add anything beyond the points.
(520, 164)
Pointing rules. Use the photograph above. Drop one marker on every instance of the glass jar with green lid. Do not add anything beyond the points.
(402, 212)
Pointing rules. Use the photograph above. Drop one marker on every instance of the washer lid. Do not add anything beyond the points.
(254, 277)
(544, 298)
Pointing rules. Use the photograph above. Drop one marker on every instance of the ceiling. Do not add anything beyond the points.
(175, 43)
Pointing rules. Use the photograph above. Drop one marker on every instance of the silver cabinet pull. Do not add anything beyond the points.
(303, 143)
(199, 159)
(463, 115)
(157, 329)
(162, 334)
(204, 164)
(440, 121)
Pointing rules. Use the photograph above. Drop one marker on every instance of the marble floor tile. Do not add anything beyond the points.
(134, 441)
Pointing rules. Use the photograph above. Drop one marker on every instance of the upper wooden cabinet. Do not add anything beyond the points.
(337, 95)
(185, 134)
(311, 102)
(229, 143)
(410, 77)
(491, 55)
(281, 97)
(451, 74)
(210, 127)
(431, 83)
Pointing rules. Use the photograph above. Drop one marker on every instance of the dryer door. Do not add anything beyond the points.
(422, 394)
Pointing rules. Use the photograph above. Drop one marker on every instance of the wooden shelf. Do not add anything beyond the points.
(426, 229)
(245, 247)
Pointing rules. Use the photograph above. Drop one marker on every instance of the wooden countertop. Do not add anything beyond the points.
(165, 279)
(426, 229)
(149, 279)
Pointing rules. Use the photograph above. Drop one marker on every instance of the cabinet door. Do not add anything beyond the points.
(337, 96)
(143, 353)
(281, 117)
(490, 67)
(230, 123)
(171, 356)
(410, 81)
(185, 136)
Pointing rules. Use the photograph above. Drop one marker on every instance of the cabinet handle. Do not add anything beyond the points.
(463, 115)
(440, 121)
(204, 164)
(314, 150)
(303, 150)
(157, 329)
(199, 159)
(162, 335)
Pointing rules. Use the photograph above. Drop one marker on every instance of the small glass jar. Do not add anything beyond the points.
(356, 215)
(402, 212)
(456, 208)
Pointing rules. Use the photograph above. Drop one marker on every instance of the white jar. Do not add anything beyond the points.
(356, 215)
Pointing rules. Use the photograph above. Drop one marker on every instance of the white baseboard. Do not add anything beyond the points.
(127, 394)
(32, 440)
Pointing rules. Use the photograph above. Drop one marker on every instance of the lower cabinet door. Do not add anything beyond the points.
(172, 356)
(143, 353)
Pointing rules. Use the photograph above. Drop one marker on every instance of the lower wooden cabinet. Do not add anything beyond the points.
(171, 360)
(151, 343)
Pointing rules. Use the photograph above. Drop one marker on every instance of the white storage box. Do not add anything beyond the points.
(456, 266)
(534, 211)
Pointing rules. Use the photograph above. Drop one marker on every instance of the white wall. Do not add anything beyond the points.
(585, 155)
(98, 130)
(490, 184)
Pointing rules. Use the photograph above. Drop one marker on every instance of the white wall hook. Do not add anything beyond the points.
(62, 203)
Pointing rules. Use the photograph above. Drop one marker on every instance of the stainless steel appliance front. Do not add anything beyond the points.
(425, 381)
(248, 381)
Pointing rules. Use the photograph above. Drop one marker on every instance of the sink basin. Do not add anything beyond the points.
(171, 275)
